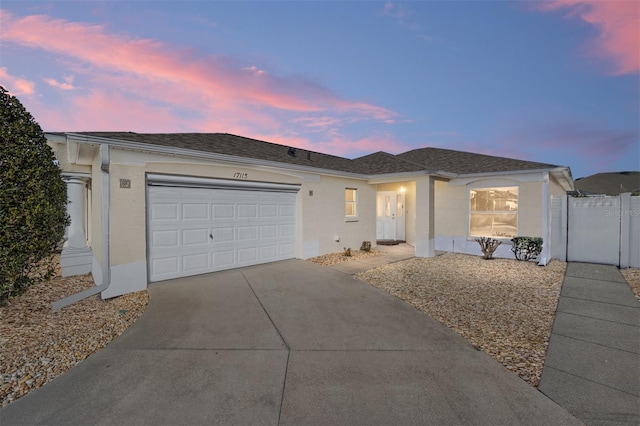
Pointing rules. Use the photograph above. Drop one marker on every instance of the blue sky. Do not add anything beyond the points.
(554, 81)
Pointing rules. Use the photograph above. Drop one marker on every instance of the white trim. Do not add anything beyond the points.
(155, 179)
(545, 255)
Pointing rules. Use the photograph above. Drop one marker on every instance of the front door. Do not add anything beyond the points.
(390, 215)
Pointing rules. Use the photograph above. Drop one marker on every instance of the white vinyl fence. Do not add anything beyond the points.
(596, 229)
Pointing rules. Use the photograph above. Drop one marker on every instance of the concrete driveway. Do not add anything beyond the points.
(284, 343)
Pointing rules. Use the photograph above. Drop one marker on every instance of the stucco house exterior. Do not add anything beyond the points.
(152, 207)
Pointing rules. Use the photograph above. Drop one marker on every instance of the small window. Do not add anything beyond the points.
(493, 212)
(350, 202)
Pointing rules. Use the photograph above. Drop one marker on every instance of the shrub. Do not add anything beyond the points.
(33, 200)
(526, 248)
(488, 246)
(347, 252)
(366, 246)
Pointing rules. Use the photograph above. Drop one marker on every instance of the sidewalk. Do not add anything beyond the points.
(592, 366)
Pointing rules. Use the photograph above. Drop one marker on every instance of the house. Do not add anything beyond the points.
(613, 183)
(152, 207)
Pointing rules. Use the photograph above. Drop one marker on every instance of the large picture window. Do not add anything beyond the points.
(350, 202)
(493, 212)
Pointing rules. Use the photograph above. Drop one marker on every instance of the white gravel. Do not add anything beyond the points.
(504, 307)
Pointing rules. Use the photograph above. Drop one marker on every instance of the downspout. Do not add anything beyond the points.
(546, 242)
(106, 267)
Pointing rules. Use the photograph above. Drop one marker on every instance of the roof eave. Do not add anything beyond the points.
(191, 153)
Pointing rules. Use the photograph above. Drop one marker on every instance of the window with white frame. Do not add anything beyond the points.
(350, 202)
(493, 212)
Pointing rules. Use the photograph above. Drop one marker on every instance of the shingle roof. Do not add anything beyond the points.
(382, 162)
(460, 162)
(224, 143)
(429, 159)
(614, 183)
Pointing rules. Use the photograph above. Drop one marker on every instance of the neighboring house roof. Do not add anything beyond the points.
(423, 159)
(461, 162)
(613, 183)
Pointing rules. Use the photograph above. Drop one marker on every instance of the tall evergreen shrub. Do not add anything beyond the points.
(33, 200)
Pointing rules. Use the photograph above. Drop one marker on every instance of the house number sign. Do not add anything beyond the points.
(240, 175)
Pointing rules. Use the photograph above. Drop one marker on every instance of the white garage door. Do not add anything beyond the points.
(195, 230)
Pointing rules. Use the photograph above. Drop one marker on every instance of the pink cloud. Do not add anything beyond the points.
(16, 85)
(618, 24)
(214, 77)
(67, 84)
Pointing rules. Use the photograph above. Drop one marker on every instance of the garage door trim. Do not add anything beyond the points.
(155, 179)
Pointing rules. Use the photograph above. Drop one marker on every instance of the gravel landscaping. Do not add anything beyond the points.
(504, 307)
(37, 344)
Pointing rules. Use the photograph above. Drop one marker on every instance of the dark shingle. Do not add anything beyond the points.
(224, 143)
(382, 162)
(438, 159)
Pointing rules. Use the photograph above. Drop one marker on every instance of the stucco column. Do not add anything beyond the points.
(76, 257)
(425, 223)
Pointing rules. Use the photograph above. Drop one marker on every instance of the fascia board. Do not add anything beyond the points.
(118, 143)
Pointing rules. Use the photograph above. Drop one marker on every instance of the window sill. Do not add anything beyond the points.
(351, 219)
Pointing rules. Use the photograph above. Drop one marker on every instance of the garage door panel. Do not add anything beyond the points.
(225, 234)
(165, 266)
(198, 211)
(247, 233)
(287, 250)
(167, 238)
(223, 211)
(200, 230)
(164, 211)
(198, 236)
(195, 263)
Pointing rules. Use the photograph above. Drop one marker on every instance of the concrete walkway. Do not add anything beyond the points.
(390, 254)
(592, 366)
(285, 343)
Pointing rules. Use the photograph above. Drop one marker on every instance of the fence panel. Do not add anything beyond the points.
(594, 230)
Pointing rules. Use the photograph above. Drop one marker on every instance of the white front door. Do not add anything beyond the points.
(390, 215)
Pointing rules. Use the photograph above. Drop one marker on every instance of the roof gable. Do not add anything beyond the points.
(381, 163)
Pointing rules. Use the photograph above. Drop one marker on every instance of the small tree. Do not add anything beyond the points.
(33, 200)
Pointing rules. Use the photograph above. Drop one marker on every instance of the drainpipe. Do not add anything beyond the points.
(546, 235)
(106, 266)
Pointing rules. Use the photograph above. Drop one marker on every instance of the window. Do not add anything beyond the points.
(350, 200)
(493, 212)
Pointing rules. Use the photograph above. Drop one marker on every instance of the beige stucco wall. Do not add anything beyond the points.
(452, 205)
(323, 215)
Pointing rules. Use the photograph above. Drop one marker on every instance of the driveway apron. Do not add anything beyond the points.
(284, 343)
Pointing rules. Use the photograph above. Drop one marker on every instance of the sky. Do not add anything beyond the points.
(554, 81)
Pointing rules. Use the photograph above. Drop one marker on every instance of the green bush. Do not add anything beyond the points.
(526, 248)
(33, 200)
